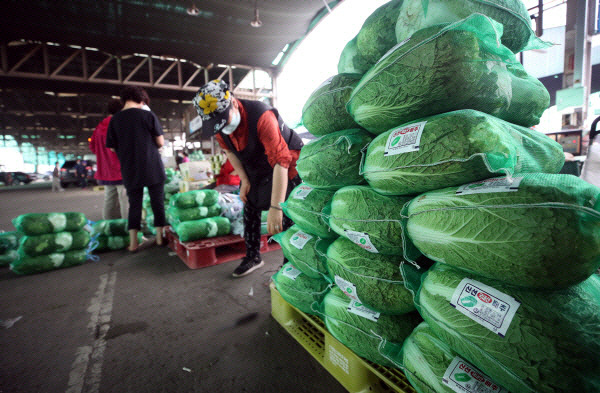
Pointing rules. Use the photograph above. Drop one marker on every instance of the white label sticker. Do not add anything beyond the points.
(299, 239)
(464, 378)
(404, 139)
(485, 305)
(339, 360)
(490, 186)
(361, 239)
(347, 287)
(302, 192)
(359, 309)
(291, 272)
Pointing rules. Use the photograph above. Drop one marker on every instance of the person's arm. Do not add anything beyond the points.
(160, 141)
(275, 215)
(239, 168)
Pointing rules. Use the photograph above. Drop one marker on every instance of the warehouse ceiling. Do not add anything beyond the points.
(62, 60)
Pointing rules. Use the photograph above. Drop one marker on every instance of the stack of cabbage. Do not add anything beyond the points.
(111, 234)
(195, 215)
(50, 241)
(9, 242)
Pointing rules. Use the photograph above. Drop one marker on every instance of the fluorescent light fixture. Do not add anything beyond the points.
(277, 59)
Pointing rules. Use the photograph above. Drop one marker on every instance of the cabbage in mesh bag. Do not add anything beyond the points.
(351, 62)
(455, 148)
(34, 245)
(7, 257)
(9, 241)
(332, 161)
(114, 227)
(194, 198)
(308, 207)
(325, 110)
(536, 230)
(362, 330)
(299, 290)
(110, 243)
(550, 345)
(369, 219)
(203, 228)
(373, 279)
(176, 214)
(445, 68)
(43, 263)
(306, 251)
(42, 223)
(518, 35)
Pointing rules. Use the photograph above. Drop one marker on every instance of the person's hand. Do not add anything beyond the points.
(274, 221)
(244, 189)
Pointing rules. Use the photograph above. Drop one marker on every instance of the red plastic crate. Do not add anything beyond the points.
(215, 250)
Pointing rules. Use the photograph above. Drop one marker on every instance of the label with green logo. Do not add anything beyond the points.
(404, 139)
(299, 239)
(359, 309)
(347, 287)
(290, 272)
(302, 191)
(361, 239)
(462, 377)
(503, 184)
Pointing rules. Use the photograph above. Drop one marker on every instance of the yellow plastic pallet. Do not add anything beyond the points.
(354, 373)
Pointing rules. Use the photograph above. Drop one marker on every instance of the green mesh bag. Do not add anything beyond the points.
(308, 207)
(325, 110)
(203, 228)
(369, 219)
(299, 290)
(445, 68)
(177, 215)
(431, 366)
(307, 252)
(44, 263)
(372, 279)
(111, 243)
(536, 230)
(34, 245)
(512, 14)
(524, 339)
(194, 198)
(362, 330)
(42, 223)
(114, 227)
(455, 148)
(333, 161)
(9, 241)
(377, 34)
(351, 62)
(8, 257)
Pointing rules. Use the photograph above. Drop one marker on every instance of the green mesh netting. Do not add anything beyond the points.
(445, 68)
(9, 241)
(369, 219)
(551, 344)
(377, 34)
(455, 148)
(42, 223)
(512, 14)
(299, 290)
(536, 230)
(308, 207)
(7, 257)
(194, 198)
(325, 110)
(351, 62)
(176, 215)
(306, 251)
(34, 245)
(111, 243)
(374, 279)
(43, 263)
(361, 329)
(114, 227)
(333, 160)
(203, 228)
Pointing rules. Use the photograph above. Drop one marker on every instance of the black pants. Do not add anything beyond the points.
(157, 202)
(252, 223)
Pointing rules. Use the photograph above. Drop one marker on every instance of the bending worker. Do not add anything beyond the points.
(263, 152)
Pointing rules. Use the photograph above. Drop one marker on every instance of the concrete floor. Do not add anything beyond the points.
(141, 323)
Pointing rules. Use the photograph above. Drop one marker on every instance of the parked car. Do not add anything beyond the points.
(68, 174)
(15, 178)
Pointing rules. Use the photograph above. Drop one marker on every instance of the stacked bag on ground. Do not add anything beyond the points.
(9, 243)
(195, 215)
(110, 235)
(50, 241)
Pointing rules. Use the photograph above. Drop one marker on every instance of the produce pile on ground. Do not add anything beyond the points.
(9, 243)
(450, 175)
(109, 235)
(50, 241)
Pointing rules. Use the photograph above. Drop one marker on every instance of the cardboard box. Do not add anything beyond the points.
(195, 171)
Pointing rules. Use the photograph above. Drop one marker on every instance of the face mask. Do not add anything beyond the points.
(233, 124)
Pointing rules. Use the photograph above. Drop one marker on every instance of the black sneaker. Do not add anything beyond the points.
(247, 266)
